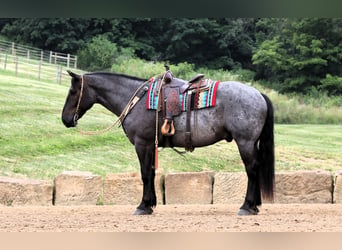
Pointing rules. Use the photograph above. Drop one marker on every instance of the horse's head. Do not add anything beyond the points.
(77, 102)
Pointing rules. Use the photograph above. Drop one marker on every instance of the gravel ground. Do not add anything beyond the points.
(173, 218)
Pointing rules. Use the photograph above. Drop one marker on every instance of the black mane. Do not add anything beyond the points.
(117, 74)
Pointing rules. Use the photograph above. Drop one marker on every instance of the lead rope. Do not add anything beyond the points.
(92, 132)
(156, 138)
(134, 99)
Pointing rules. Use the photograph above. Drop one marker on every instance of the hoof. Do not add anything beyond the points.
(146, 211)
(243, 212)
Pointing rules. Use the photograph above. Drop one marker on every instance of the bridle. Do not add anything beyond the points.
(79, 101)
(134, 99)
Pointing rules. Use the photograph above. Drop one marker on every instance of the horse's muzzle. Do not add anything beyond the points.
(70, 122)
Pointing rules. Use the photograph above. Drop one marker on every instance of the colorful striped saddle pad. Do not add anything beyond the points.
(206, 97)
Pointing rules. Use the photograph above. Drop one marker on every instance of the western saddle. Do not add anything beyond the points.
(171, 89)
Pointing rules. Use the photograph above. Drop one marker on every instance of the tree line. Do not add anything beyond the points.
(289, 54)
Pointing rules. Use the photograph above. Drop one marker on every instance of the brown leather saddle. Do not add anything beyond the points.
(170, 92)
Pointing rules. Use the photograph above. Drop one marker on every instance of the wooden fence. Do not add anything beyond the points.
(31, 53)
(35, 63)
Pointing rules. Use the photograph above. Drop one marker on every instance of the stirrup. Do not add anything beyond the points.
(168, 129)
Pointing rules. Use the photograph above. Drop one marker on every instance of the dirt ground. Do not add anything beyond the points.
(172, 218)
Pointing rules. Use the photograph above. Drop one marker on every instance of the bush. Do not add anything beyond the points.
(304, 109)
(138, 67)
(183, 70)
(332, 84)
(141, 68)
(244, 75)
(100, 54)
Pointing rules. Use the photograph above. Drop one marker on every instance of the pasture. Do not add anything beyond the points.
(34, 143)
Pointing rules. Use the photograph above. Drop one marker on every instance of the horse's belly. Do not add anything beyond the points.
(206, 128)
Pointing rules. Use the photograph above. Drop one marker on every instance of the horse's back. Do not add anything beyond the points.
(240, 94)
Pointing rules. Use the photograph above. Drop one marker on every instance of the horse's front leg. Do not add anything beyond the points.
(146, 158)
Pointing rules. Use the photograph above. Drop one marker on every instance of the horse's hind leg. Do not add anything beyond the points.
(146, 159)
(248, 152)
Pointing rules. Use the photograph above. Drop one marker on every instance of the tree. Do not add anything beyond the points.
(237, 40)
(57, 34)
(100, 54)
(144, 35)
(213, 42)
(332, 84)
(300, 54)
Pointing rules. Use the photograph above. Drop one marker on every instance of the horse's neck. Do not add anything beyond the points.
(115, 92)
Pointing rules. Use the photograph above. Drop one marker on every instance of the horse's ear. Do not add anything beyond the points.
(72, 74)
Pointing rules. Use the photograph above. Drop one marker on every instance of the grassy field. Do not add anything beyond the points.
(34, 143)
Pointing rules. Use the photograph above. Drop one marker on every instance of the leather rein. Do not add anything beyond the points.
(134, 99)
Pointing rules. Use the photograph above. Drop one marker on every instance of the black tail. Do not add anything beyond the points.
(266, 153)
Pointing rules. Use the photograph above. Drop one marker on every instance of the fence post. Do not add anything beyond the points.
(28, 56)
(39, 69)
(68, 62)
(57, 73)
(75, 63)
(41, 56)
(13, 49)
(16, 66)
(5, 61)
(60, 75)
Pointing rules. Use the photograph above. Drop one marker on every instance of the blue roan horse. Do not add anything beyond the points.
(241, 113)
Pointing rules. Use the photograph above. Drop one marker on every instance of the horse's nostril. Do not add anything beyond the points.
(69, 122)
(75, 118)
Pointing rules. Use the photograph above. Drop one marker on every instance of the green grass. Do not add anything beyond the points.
(308, 147)
(34, 143)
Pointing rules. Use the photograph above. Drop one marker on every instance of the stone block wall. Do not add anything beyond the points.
(85, 188)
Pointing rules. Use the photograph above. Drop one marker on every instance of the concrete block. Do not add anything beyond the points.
(122, 189)
(77, 188)
(21, 192)
(189, 188)
(159, 186)
(229, 188)
(304, 187)
(127, 188)
(338, 187)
